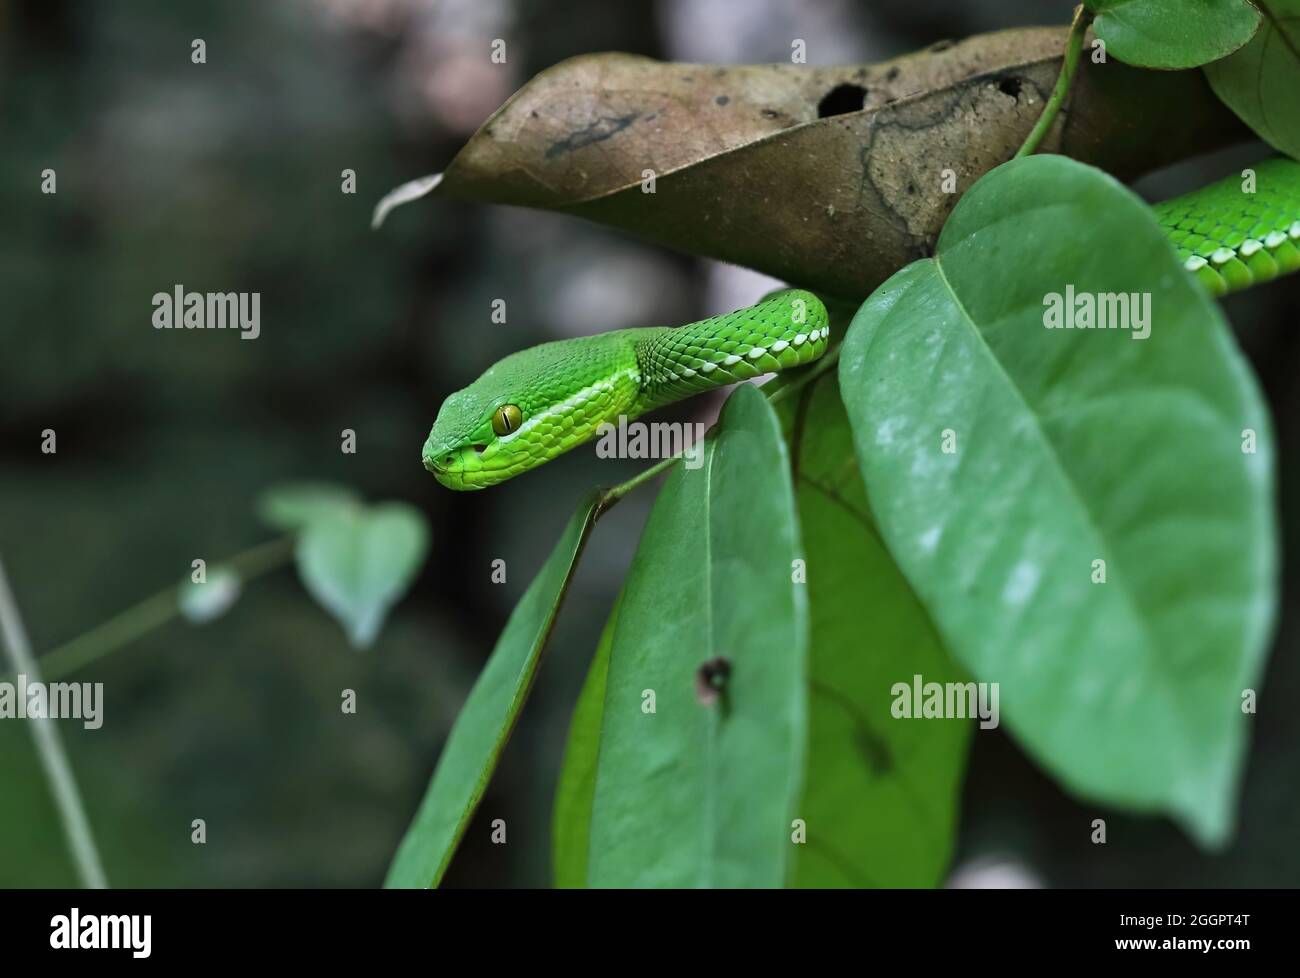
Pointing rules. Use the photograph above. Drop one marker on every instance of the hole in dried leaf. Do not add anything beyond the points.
(1011, 86)
(842, 99)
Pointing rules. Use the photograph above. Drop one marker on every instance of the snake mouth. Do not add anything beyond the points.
(448, 477)
(441, 470)
(452, 480)
(450, 469)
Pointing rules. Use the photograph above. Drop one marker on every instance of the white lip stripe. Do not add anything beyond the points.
(731, 359)
(779, 345)
(708, 368)
(756, 352)
(1274, 239)
(1249, 247)
(1193, 263)
(799, 340)
(1222, 256)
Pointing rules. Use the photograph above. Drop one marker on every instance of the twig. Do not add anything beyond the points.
(806, 376)
(155, 611)
(49, 747)
(1073, 46)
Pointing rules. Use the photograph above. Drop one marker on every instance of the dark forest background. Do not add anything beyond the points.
(226, 177)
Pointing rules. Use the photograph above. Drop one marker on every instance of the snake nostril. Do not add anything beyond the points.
(480, 449)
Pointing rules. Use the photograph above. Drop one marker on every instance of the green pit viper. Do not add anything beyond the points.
(540, 402)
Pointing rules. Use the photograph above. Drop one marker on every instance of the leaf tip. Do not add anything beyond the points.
(403, 194)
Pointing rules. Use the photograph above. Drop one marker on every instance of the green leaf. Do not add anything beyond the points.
(293, 505)
(700, 793)
(488, 716)
(1074, 446)
(1173, 33)
(1261, 81)
(356, 561)
(881, 794)
(202, 603)
(571, 819)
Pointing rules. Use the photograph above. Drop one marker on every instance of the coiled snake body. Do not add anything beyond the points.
(540, 402)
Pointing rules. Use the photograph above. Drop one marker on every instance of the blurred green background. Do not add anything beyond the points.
(226, 177)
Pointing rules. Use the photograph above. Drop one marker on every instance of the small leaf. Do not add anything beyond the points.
(201, 603)
(830, 177)
(489, 714)
(407, 192)
(1261, 81)
(882, 794)
(1005, 460)
(1173, 33)
(293, 505)
(571, 819)
(690, 792)
(358, 561)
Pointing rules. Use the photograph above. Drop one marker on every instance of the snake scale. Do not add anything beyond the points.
(540, 402)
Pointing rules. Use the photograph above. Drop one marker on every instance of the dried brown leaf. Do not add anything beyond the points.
(748, 170)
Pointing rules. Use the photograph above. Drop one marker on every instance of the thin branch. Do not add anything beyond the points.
(1073, 46)
(155, 611)
(49, 747)
(806, 376)
(614, 494)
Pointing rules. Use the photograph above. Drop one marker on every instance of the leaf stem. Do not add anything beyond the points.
(49, 747)
(155, 611)
(612, 495)
(816, 370)
(1073, 47)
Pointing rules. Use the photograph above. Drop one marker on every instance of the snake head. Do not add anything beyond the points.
(529, 408)
(462, 450)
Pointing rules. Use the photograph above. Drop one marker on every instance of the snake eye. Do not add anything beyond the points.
(506, 418)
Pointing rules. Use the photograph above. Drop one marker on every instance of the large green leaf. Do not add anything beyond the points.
(701, 793)
(1173, 33)
(881, 794)
(1261, 81)
(571, 820)
(1074, 446)
(488, 716)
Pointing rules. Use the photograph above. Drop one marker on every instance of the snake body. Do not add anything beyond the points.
(1231, 239)
(541, 402)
